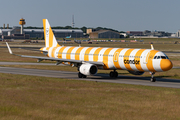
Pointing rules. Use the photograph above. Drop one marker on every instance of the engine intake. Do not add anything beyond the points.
(88, 69)
(136, 72)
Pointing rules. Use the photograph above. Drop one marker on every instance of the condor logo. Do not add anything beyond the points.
(131, 61)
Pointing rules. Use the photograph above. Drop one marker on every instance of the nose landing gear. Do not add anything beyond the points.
(152, 77)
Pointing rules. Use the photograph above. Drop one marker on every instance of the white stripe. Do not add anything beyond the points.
(156, 63)
(82, 52)
(101, 53)
(92, 52)
(143, 61)
(57, 52)
(133, 53)
(73, 53)
(111, 58)
(64, 53)
(47, 33)
(54, 41)
(50, 52)
(121, 59)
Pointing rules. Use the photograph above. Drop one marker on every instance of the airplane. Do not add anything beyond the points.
(89, 59)
(68, 36)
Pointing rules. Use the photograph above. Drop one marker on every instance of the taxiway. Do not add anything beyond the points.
(161, 82)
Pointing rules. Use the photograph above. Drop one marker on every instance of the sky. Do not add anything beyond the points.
(121, 15)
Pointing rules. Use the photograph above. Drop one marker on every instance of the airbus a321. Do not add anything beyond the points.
(89, 59)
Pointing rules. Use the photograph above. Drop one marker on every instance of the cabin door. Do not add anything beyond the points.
(116, 56)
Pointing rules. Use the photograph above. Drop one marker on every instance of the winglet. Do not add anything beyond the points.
(152, 48)
(9, 48)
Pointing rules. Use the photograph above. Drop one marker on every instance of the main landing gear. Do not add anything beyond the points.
(152, 77)
(80, 75)
(113, 74)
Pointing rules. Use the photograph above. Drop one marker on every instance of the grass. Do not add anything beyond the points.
(41, 98)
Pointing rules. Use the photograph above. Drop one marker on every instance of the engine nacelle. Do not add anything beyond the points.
(88, 69)
(136, 72)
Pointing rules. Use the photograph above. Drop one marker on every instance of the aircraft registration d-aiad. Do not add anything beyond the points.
(89, 59)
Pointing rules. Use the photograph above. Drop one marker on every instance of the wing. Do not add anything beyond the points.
(56, 59)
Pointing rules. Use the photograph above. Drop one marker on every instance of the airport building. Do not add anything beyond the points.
(38, 33)
(135, 33)
(104, 34)
(178, 33)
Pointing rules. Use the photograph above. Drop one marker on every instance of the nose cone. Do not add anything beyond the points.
(166, 64)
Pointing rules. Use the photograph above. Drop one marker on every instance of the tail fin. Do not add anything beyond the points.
(50, 40)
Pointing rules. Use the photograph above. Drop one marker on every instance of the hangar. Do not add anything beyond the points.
(104, 34)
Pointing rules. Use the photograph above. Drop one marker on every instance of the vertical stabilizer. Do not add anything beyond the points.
(50, 40)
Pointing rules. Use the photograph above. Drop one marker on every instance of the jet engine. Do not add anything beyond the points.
(88, 69)
(136, 72)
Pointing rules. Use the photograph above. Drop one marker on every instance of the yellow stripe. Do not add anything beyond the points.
(68, 55)
(138, 55)
(96, 54)
(86, 56)
(60, 52)
(126, 56)
(53, 51)
(78, 53)
(116, 63)
(47, 48)
(150, 60)
(105, 58)
(44, 24)
(50, 37)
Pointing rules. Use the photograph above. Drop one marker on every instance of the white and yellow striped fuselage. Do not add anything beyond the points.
(144, 60)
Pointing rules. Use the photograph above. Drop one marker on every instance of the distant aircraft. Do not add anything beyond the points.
(89, 59)
(77, 41)
(68, 36)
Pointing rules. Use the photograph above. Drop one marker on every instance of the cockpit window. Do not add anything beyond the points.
(163, 57)
(158, 57)
(166, 56)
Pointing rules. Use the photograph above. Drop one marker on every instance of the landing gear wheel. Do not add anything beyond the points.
(84, 76)
(153, 79)
(113, 74)
(80, 75)
(116, 74)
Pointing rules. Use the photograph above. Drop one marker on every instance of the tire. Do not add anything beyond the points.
(153, 80)
(84, 76)
(115, 74)
(111, 74)
(80, 75)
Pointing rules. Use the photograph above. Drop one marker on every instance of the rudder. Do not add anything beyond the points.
(50, 40)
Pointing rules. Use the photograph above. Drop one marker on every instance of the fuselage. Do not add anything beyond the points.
(144, 60)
